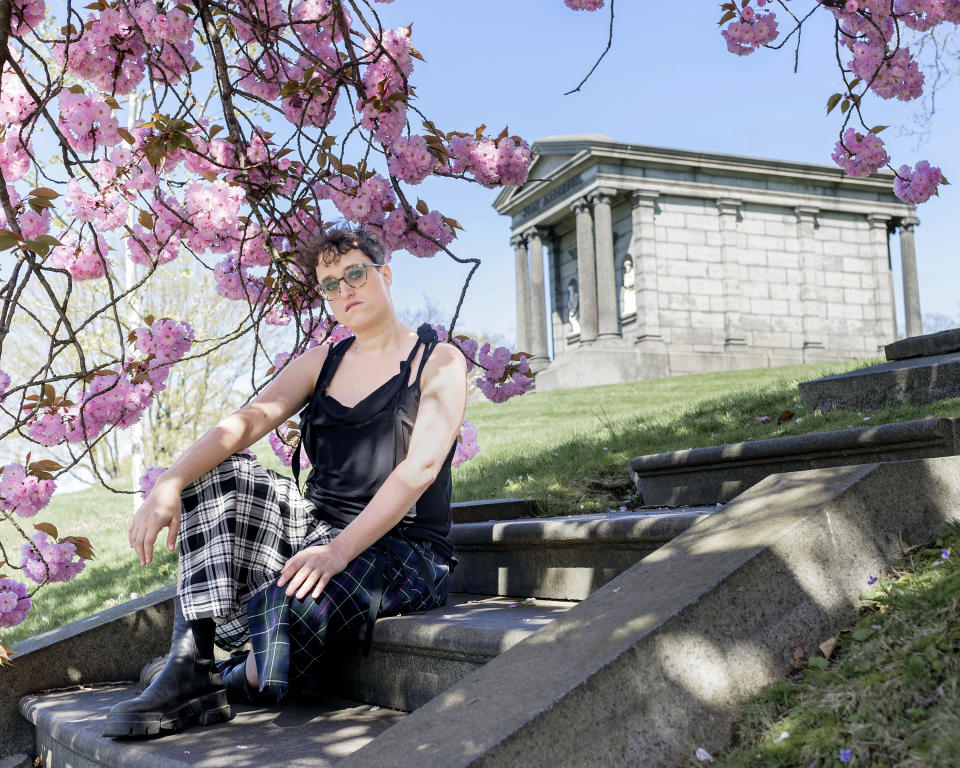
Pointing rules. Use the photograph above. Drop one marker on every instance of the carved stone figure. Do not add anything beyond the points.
(573, 308)
(628, 296)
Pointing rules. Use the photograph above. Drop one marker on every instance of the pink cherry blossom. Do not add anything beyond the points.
(917, 185)
(14, 602)
(860, 154)
(23, 493)
(46, 560)
(149, 479)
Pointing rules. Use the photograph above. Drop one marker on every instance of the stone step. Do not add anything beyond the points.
(561, 558)
(414, 658)
(317, 733)
(718, 473)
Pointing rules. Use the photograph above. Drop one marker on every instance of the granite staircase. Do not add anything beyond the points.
(515, 577)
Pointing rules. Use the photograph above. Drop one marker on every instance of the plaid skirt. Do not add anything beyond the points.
(240, 523)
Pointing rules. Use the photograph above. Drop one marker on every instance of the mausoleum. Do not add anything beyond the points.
(662, 261)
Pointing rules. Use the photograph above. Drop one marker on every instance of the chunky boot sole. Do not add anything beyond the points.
(208, 709)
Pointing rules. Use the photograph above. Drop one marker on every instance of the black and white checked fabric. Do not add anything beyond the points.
(289, 635)
(240, 523)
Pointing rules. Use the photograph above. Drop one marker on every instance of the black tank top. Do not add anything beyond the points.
(353, 450)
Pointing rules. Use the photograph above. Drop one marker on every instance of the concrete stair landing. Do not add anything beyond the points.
(515, 577)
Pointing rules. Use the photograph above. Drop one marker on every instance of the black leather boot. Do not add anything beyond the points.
(187, 691)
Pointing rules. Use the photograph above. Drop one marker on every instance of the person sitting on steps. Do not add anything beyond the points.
(291, 570)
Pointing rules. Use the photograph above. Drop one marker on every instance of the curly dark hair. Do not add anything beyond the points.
(330, 244)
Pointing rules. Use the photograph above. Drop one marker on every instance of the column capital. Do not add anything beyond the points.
(580, 204)
(518, 241)
(806, 211)
(537, 233)
(602, 195)
(878, 220)
(644, 198)
(909, 222)
(729, 206)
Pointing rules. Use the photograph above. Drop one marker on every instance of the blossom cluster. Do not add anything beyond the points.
(87, 121)
(45, 559)
(84, 259)
(23, 493)
(383, 105)
(860, 154)
(917, 185)
(116, 396)
(284, 444)
(14, 157)
(14, 602)
(32, 224)
(467, 446)
(149, 479)
(502, 378)
(748, 30)
(491, 162)
(584, 5)
(166, 339)
(116, 45)
(4, 383)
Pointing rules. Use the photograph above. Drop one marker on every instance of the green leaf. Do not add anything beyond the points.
(845, 106)
(832, 102)
(861, 633)
(819, 662)
(877, 128)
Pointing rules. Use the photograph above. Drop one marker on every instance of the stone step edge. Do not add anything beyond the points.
(897, 436)
(630, 528)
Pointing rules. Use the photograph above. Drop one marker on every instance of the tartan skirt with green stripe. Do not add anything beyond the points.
(240, 523)
(289, 635)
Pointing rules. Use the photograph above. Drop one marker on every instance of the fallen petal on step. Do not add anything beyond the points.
(703, 756)
(781, 737)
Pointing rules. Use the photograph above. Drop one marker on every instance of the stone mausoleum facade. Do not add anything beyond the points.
(661, 262)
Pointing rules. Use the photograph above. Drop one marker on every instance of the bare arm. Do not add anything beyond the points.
(443, 400)
(280, 399)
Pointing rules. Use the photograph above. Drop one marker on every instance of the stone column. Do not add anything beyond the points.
(538, 303)
(523, 293)
(558, 319)
(643, 248)
(608, 322)
(811, 289)
(886, 314)
(734, 336)
(586, 271)
(911, 283)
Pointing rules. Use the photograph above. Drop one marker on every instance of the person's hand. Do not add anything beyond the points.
(161, 509)
(312, 567)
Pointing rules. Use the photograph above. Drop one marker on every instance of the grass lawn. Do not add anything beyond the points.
(890, 693)
(567, 449)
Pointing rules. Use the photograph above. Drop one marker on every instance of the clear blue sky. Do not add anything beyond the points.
(668, 81)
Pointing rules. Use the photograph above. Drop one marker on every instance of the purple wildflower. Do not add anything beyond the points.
(846, 755)
(872, 580)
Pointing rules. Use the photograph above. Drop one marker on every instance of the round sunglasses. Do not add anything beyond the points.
(355, 276)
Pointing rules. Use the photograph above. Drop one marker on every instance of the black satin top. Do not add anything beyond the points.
(353, 450)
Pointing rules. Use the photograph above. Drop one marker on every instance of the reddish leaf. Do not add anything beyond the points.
(785, 416)
(48, 528)
(5, 653)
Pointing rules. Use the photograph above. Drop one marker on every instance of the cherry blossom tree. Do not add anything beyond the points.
(315, 119)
